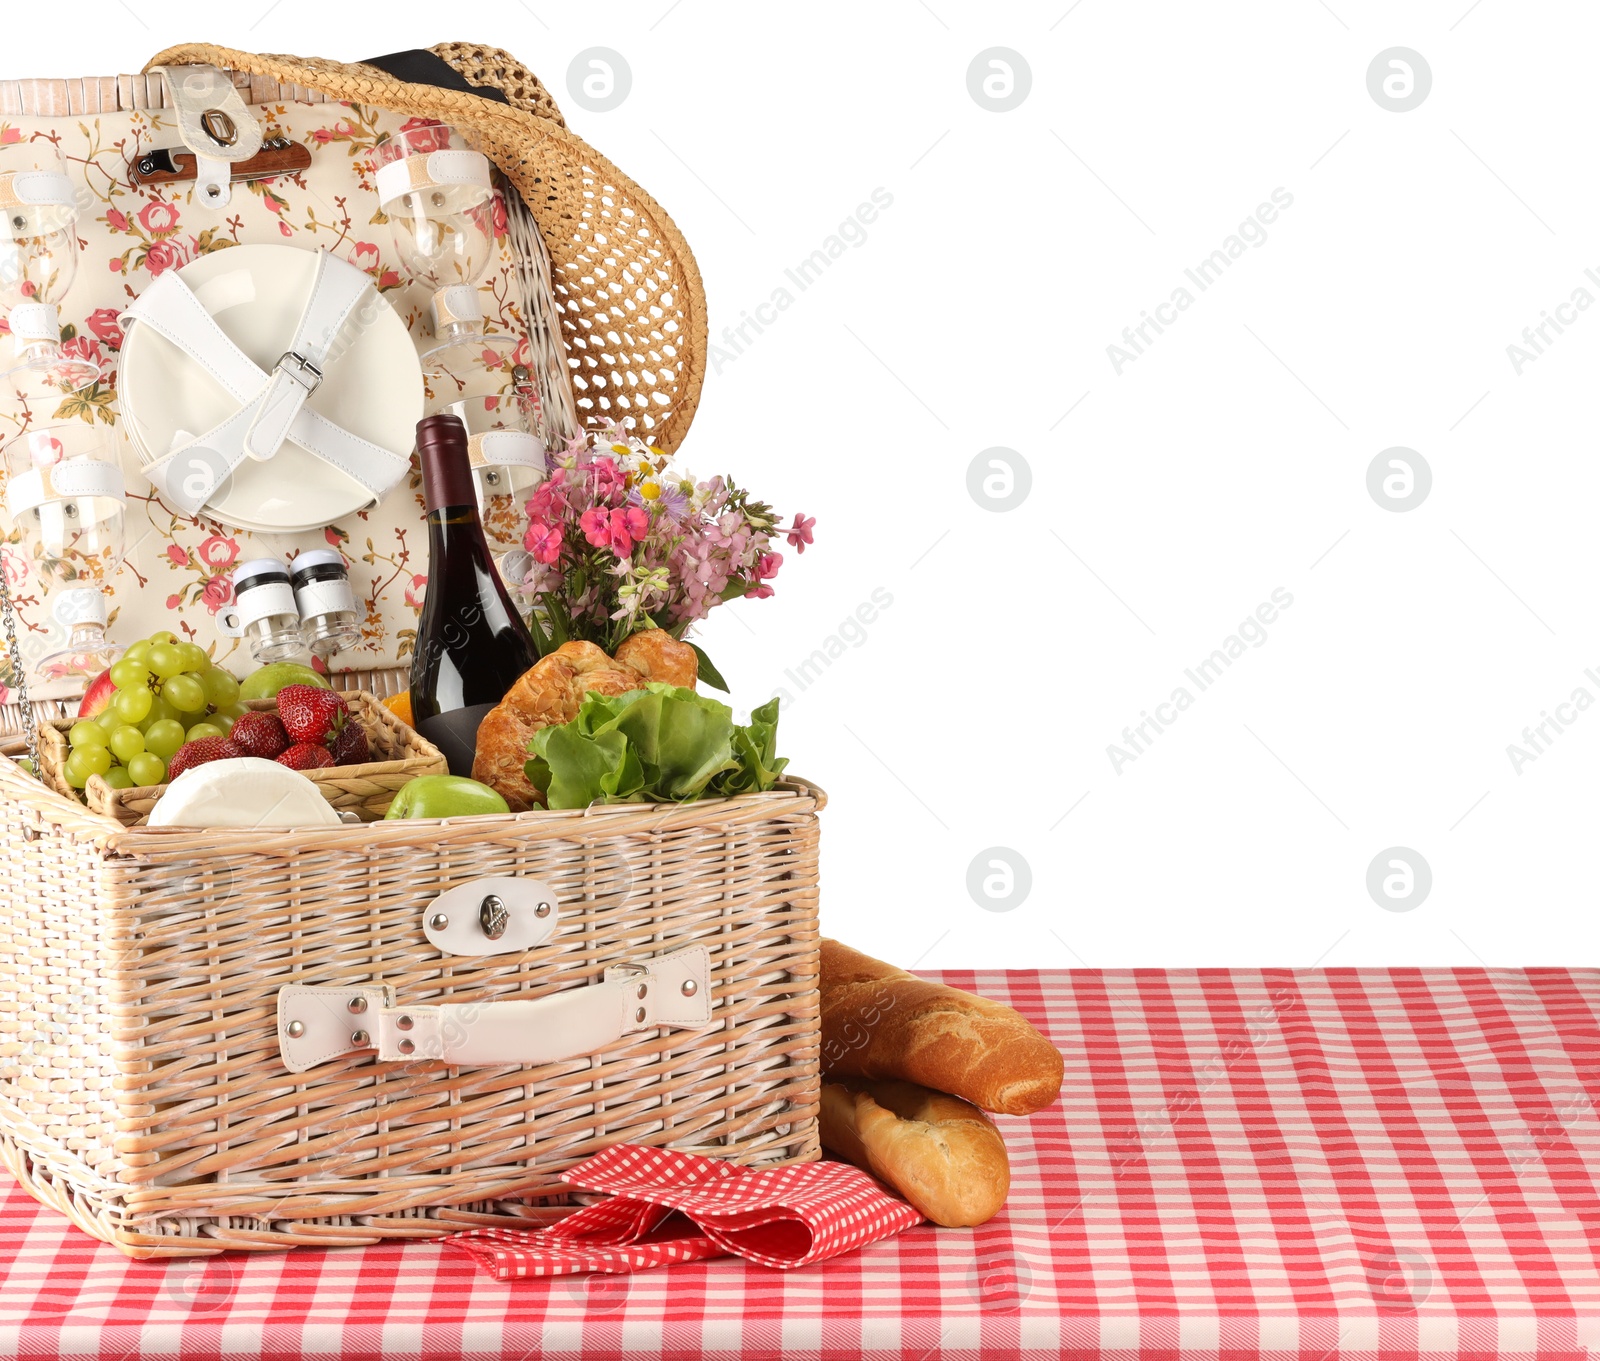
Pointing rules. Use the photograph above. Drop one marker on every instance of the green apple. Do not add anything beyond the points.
(265, 683)
(444, 796)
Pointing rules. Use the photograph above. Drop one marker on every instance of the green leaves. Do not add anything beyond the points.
(661, 744)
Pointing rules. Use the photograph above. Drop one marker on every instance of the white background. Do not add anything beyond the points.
(1167, 501)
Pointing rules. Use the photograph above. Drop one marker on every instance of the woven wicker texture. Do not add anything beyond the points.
(628, 291)
(142, 1094)
(399, 754)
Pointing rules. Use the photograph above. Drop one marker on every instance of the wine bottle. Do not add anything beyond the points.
(471, 642)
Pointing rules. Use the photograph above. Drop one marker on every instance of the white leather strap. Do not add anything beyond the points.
(36, 189)
(505, 449)
(336, 290)
(31, 321)
(436, 169)
(318, 1024)
(456, 305)
(495, 915)
(63, 481)
(272, 406)
(198, 94)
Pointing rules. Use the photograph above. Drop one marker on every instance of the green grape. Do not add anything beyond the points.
(109, 719)
(184, 693)
(126, 743)
(74, 769)
(118, 778)
(223, 721)
(163, 738)
(194, 656)
(166, 660)
(126, 674)
(139, 652)
(147, 768)
(160, 709)
(87, 733)
(133, 706)
(233, 711)
(221, 688)
(94, 760)
(162, 636)
(206, 729)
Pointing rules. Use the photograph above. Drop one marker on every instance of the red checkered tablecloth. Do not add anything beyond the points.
(1306, 1164)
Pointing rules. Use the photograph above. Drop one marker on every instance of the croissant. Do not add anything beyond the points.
(550, 692)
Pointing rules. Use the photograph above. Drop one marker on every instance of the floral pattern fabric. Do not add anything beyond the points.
(175, 574)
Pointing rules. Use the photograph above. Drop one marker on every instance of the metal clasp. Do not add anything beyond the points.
(301, 369)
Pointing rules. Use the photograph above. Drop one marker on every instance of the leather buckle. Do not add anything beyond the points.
(301, 369)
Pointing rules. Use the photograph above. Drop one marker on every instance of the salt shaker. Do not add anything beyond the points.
(263, 612)
(327, 605)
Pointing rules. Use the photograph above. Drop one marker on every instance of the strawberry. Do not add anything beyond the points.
(350, 747)
(192, 754)
(310, 713)
(306, 756)
(260, 734)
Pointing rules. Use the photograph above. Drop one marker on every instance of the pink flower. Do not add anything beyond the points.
(767, 566)
(16, 568)
(173, 601)
(84, 347)
(544, 542)
(5, 690)
(159, 219)
(416, 590)
(322, 136)
(626, 526)
(799, 533)
(117, 220)
(596, 526)
(217, 593)
(364, 255)
(218, 552)
(164, 255)
(9, 136)
(177, 555)
(103, 322)
(284, 229)
(760, 591)
(610, 482)
(499, 215)
(332, 536)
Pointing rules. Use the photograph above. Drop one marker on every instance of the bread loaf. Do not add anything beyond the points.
(549, 693)
(881, 1022)
(942, 1154)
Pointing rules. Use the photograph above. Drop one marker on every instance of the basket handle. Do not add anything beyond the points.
(316, 1025)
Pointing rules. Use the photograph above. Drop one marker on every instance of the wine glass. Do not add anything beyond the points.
(38, 258)
(439, 199)
(64, 494)
(507, 464)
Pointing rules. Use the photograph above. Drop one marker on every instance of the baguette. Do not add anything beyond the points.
(942, 1154)
(881, 1022)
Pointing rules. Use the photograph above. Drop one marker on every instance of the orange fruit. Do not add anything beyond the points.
(400, 706)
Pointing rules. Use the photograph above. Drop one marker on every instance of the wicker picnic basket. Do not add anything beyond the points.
(262, 1039)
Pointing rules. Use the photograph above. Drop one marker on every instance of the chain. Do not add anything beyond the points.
(30, 723)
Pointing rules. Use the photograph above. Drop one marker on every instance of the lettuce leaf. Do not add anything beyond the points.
(661, 744)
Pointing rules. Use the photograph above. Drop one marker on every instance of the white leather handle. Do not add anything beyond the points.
(319, 1024)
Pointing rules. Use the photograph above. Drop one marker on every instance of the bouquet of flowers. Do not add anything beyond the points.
(623, 540)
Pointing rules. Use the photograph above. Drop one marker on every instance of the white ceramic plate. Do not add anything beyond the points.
(373, 388)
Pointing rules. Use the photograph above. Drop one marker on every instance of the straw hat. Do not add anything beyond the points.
(631, 305)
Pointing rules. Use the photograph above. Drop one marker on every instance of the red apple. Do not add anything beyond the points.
(97, 696)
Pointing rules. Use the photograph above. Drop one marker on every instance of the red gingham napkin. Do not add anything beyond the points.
(667, 1206)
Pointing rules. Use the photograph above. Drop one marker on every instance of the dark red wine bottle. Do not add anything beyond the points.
(471, 642)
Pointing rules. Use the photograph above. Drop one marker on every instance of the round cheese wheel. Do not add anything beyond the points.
(244, 792)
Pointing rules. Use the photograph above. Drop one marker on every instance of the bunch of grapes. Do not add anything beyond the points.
(167, 693)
